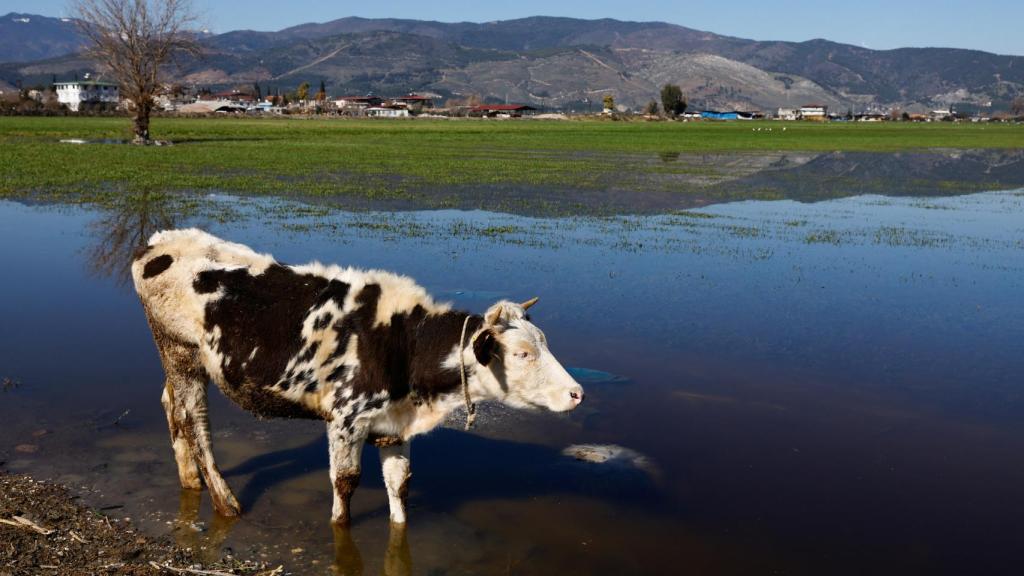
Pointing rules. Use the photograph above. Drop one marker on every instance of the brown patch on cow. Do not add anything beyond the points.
(407, 354)
(157, 266)
(266, 312)
(344, 485)
(381, 441)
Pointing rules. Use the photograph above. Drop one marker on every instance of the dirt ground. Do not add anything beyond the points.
(44, 531)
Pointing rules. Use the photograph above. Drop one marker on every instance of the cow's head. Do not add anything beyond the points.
(516, 366)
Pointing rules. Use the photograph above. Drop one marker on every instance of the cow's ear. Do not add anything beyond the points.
(484, 347)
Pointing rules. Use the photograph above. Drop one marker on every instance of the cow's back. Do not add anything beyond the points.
(281, 340)
(164, 273)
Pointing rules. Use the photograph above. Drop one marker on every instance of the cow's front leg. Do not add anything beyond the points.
(395, 462)
(346, 446)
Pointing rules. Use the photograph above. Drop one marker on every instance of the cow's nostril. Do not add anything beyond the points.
(578, 396)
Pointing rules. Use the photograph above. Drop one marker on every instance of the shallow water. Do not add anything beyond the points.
(817, 388)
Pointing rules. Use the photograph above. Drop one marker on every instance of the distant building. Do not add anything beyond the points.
(414, 100)
(81, 94)
(387, 112)
(235, 96)
(716, 115)
(357, 104)
(211, 106)
(787, 114)
(495, 110)
(730, 115)
(268, 107)
(814, 112)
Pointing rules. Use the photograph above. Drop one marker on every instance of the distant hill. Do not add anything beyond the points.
(566, 62)
(25, 37)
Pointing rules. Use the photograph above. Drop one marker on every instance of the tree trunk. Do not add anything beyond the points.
(141, 123)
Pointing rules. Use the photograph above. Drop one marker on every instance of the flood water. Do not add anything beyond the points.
(805, 388)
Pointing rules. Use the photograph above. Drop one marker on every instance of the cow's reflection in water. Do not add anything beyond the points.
(189, 533)
(208, 544)
(349, 562)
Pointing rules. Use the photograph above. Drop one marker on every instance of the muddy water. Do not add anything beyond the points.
(814, 388)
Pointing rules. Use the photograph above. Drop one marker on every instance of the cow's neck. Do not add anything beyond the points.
(435, 370)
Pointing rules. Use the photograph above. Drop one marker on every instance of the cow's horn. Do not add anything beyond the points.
(526, 305)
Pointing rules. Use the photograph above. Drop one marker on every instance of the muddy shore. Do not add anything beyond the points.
(44, 530)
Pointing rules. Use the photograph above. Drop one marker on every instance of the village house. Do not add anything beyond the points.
(730, 115)
(82, 94)
(387, 112)
(233, 96)
(787, 114)
(414, 101)
(501, 110)
(357, 104)
(814, 112)
(870, 117)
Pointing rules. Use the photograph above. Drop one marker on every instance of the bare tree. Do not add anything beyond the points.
(138, 40)
(1017, 106)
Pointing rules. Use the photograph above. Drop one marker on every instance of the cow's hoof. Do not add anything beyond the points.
(228, 506)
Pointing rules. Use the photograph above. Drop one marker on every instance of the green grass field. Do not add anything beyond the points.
(379, 159)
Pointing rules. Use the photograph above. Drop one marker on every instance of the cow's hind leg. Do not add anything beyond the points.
(186, 391)
(395, 462)
(346, 446)
(188, 470)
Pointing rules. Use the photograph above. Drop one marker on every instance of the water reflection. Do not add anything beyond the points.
(812, 178)
(123, 228)
(190, 532)
(209, 542)
(348, 561)
(672, 180)
(808, 411)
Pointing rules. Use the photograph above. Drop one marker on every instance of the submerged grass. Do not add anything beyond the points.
(392, 159)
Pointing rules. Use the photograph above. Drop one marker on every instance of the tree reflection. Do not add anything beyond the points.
(124, 227)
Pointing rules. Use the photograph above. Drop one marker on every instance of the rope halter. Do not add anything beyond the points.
(470, 407)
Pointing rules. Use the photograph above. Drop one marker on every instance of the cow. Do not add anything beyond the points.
(367, 351)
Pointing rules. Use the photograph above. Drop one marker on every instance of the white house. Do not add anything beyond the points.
(786, 114)
(78, 92)
(381, 112)
(814, 111)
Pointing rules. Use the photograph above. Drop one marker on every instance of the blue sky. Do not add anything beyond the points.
(991, 25)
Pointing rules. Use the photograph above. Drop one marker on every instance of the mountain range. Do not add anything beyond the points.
(551, 62)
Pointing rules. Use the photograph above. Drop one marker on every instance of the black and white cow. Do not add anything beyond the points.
(367, 351)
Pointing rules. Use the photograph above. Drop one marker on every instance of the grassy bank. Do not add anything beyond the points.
(382, 159)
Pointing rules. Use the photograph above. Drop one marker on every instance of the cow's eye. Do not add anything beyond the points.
(522, 355)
